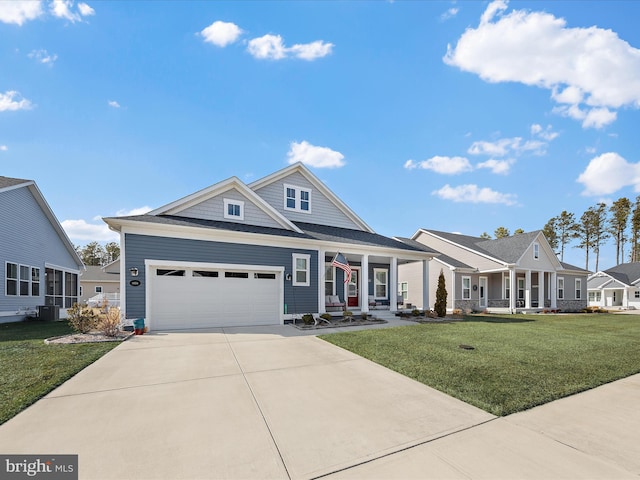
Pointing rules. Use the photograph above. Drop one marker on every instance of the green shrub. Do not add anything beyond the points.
(440, 306)
(326, 316)
(307, 318)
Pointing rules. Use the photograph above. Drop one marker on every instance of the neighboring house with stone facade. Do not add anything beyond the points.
(506, 275)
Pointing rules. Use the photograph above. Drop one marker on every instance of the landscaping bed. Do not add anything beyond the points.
(514, 362)
(337, 322)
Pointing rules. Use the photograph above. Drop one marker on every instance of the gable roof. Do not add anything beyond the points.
(217, 189)
(506, 250)
(627, 274)
(8, 183)
(300, 168)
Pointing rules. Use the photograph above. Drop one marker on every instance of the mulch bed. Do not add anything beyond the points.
(337, 323)
(91, 337)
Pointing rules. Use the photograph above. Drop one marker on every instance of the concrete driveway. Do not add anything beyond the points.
(272, 402)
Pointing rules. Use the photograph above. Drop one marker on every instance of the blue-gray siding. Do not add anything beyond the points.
(141, 247)
(27, 238)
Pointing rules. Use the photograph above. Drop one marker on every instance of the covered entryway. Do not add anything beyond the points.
(184, 295)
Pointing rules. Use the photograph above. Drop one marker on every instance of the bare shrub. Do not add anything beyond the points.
(109, 323)
(82, 318)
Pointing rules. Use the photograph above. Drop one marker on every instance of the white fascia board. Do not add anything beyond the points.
(44, 206)
(451, 267)
(315, 181)
(218, 189)
(26, 183)
(244, 238)
(475, 252)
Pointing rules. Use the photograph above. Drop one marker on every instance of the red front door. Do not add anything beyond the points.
(353, 292)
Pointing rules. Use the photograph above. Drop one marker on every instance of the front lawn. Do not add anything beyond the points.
(518, 361)
(29, 368)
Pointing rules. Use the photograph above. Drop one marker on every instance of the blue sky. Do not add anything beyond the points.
(455, 116)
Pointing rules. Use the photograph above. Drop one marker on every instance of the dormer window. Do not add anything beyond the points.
(233, 209)
(297, 199)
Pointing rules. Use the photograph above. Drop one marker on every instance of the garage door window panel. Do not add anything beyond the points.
(162, 272)
(205, 274)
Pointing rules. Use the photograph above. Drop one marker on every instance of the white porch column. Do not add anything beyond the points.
(527, 289)
(553, 288)
(425, 285)
(364, 284)
(393, 287)
(540, 289)
(513, 290)
(625, 298)
(321, 278)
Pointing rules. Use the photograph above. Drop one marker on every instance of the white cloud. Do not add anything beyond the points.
(133, 211)
(506, 146)
(608, 173)
(3, 148)
(589, 71)
(319, 157)
(19, 12)
(443, 165)
(272, 47)
(311, 51)
(474, 194)
(43, 56)
(450, 13)
(64, 9)
(499, 167)
(221, 33)
(86, 10)
(12, 100)
(82, 230)
(267, 46)
(113, 103)
(545, 133)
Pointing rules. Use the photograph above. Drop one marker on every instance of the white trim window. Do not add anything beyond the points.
(25, 280)
(329, 279)
(507, 287)
(536, 251)
(520, 288)
(578, 289)
(560, 288)
(596, 295)
(11, 284)
(403, 291)
(636, 294)
(380, 283)
(35, 282)
(301, 270)
(98, 289)
(466, 288)
(233, 209)
(297, 199)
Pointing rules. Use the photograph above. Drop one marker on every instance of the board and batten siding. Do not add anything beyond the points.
(138, 248)
(323, 211)
(213, 209)
(28, 238)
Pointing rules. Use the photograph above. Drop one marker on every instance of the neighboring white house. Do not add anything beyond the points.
(513, 274)
(98, 283)
(618, 286)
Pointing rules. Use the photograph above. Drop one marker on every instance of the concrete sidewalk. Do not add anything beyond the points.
(275, 402)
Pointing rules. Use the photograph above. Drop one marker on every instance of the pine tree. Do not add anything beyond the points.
(501, 232)
(586, 232)
(600, 229)
(635, 232)
(485, 235)
(566, 228)
(620, 210)
(551, 234)
(441, 297)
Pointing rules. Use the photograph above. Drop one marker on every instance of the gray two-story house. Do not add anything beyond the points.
(40, 266)
(254, 254)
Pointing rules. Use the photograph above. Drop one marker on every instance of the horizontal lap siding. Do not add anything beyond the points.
(141, 247)
(27, 238)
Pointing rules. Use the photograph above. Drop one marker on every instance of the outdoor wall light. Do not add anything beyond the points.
(288, 277)
(133, 271)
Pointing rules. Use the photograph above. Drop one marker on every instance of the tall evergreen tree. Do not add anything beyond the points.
(620, 210)
(566, 228)
(586, 232)
(440, 306)
(600, 230)
(501, 232)
(485, 235)
(551, 234)
(635, 232)
(518, 231)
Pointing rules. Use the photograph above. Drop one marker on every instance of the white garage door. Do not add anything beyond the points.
(198, 297)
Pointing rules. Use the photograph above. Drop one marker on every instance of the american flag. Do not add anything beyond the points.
(340, 262)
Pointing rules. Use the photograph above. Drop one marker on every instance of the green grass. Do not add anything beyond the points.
(29, 368)
(519, 361)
